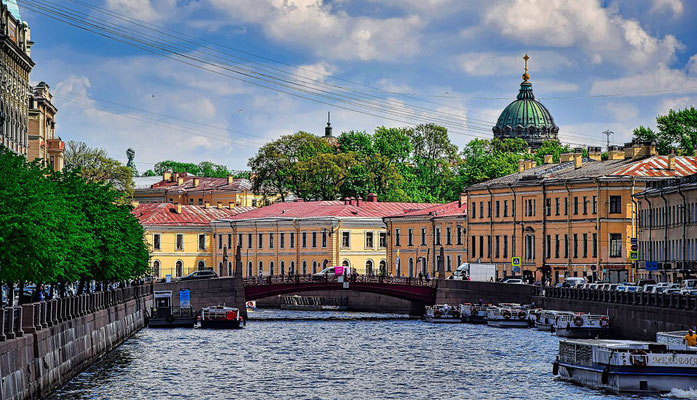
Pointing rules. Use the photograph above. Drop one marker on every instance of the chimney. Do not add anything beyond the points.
(178, 207)
(615, 153)
(631, 150)
(358, 200)
(351, 200)
(595, 153)
(372, 198)
(531, 164)
(521, 166)
(549, 159)
(180, 180)
(231, 205)
(566, 157)
(196, 182)
(578, 160)
(671, 162)
(207, 205)
(463, 199)
(347, 201)
(167, 176)
(230, 178)
(220, 205)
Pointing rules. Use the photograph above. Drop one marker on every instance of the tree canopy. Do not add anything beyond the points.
(677, 131)
(95, 166)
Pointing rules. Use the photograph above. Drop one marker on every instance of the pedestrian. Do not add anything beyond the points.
(690, 339)
(481, 302)
(421, 277)
(428, 277)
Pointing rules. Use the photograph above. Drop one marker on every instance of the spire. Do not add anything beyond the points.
(13, 8)
(526, 76)
(525, 86)
(328, 128)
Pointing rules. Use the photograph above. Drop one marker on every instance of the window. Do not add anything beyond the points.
(615, 204)
(498, 245)
(585, 245)
(156, 241)
(156, 268)
(423, 236)
(575, 205)
(449, 265)
(595, 204)
(271, 240)
(556, 206)
(304, 240)
(529, 247)
(615, 245)
(200, 202)
(369, 240)
(180, 242)
(505, 247)
(220, 241)
(595, 245)
(488, 209)
(324, 238)
(292, 240)
(513, 245)
(566, 246)
(505, 208)
(345, 239)
(254, 202)
(473, 248)
(459, 236)
(474, 210)
(548, 207)
(249, 240)
(498, 208)
(191, 202)
(201, 265)
(575, 245)
(488, 246)
(382, 240)
(260, 241)
(410, 237)
(282, 240)
(566, 206)
(556, 246)
(448, 234)
(314, 239)
(481, 246)
(548, 246)
(229, 240)
(239, 239)
(397, 239)
(585, 205)
(179, 269)
(481, 209)
(437, 238)
(202, 242)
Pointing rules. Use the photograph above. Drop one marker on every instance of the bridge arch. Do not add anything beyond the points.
(413, 293)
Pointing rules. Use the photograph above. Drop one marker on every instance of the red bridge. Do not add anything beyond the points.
(412, 289)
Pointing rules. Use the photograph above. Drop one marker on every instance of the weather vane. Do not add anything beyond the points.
(526, 76)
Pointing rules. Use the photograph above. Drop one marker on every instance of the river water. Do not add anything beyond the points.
(338, 355)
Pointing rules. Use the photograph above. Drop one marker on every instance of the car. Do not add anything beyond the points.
(672, 291)
(204, 274)
(327, 273)
(515, 281)
(648, 288)
(689, 284)
(690, 292)
(574, 281)
(645, 282)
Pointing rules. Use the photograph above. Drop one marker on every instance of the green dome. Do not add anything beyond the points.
(526, 118)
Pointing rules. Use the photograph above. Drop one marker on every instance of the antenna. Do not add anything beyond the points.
(608, 133)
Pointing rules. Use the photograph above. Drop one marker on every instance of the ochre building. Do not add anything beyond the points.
(576, 218)
(43, 143)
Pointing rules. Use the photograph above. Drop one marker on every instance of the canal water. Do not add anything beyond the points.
(337, 355)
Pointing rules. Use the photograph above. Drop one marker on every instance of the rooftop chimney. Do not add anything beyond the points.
(671, 162)
(231, 205)
(578, 160)
(566, 157)
(463, 199)
(615, 153)
(196, 182)
(352, 200)
(372, 198)
(178, 207)
(595, 153)
(180, 180)
(521, 166)
(347, 201)
(549, 159)
(358, 200)
(328, 128)
(230, 178)
(167, 176)
(207, 205)
(220, 205)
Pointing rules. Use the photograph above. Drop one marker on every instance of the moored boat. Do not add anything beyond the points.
(580, 325)
(221, 317)
(508, 316)
(546, 319)
(474, 313)
(165, 315)
(442, 313)
(627, 366)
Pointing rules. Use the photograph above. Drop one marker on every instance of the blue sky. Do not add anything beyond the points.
(596, 65)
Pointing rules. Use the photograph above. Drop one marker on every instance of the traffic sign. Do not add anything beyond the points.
(634, 247)
(633, 255)
(651, 265)
(515, 261)
(633, 241)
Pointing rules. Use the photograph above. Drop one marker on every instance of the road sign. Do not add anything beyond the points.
(515, 261)
(634, 247)
(651, 265)
(633, 241)
(633, 255)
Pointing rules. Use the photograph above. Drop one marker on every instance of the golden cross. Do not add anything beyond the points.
(526, 58)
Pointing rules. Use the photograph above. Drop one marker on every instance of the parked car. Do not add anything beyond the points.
(516, 281)
(672, 291)
(689, 292)
(327, 273)
(689, 284)
(574, 281)
(648, 288)
(645, 282)
(205, 274)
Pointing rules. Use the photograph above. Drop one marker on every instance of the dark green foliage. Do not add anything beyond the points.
(677, 131)
(204, 168)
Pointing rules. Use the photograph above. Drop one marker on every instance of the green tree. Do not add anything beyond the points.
(149, 173)
(95, 166)
(676, 130)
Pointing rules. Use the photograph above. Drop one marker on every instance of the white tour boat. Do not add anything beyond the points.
(580, 325)
(221, 317)
(627, 366)
(442, 313)
(508, 316)
(474, 313)
(546, 319)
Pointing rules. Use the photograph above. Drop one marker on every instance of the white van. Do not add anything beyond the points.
(574, 281)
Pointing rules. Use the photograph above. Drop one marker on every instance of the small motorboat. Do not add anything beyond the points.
(442, 313)
(546, 319)
(508, 316)
(580, 325)
(221, 317)
(623, 366)
(474, 313)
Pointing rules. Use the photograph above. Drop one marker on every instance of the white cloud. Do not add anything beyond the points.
(603, 34)
(675, 103)
(489, 63)
(656, 81)
(318, 72)
(622, 111)
(674, 7)
(334, 35)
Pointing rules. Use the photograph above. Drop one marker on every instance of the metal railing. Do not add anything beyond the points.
(309, 278)
(661, 300)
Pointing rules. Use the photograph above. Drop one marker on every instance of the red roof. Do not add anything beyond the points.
(207, 184)
(657, 166)
(310, 209)
(166, 214)
(439, 210)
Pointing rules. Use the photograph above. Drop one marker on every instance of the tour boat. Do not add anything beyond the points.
(580, 325)
(474, 313)
(627, 366)
(221, 317)
(442, 313)
(546, 319)
(508, 316)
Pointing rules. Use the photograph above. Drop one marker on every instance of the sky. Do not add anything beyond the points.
(596, 65)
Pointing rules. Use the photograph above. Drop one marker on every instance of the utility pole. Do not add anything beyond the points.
(608, 133)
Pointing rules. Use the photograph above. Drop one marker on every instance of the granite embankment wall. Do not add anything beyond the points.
(227, 291)
(456, 292)
(43, 345)
(632, 315)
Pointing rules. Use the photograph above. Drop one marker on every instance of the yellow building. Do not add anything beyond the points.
(187, 189)
(576, 218)
(416, 238)
(180, 237)
(43, 144)
(305, 237)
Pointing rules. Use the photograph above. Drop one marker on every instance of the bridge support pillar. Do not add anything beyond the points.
(417, 308)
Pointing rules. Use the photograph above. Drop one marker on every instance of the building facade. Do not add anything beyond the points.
(187, 189)
(576, 218)
(43, 143)
(667, 229)
(15, 67)
(180, 237)
(416, 237)
(306, 237)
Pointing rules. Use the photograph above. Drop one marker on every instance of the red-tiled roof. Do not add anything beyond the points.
(207, 184)
(312, 209)
(657, 166)
(438, 210)
(166, 214)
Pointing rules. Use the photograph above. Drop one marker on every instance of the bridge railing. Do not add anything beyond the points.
(661, 300)
(309, 278)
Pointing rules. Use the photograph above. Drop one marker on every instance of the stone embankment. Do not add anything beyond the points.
(43, 345)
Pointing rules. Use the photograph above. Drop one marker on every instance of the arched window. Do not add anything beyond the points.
(325, 263)
(179, 267)
(156, 268)
(292, 267)
(261, 267)
(423, 266)
(249, 269)
(283, 267)
(411, 267)
(229, 268)
(314, 267)
(346, 263)
(304, 267)
(383, 267)
(271, 268)
(201, 265)
(369, 267)
(220, 268)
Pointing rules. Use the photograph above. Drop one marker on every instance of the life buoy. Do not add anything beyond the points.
(578, 320)
(604, 321)
(506, 314)
(521, 314)
(170, 318)
(639, 358)
(251, 304)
